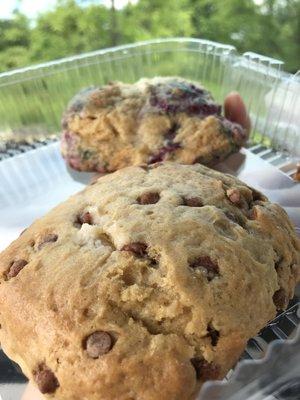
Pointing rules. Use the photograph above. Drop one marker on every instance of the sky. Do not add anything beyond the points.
(28, 7)
(32, 7)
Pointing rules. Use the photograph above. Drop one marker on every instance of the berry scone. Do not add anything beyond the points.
(145, 284)
(119, 125)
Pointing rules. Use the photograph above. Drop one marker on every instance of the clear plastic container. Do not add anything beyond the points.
(32, 99)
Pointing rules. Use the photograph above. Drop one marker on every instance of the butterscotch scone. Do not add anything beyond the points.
(145, 284)
(118, 125)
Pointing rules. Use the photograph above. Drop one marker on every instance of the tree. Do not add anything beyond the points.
(114, 34)
(75, 26)
(231, 22)
(155, 19)
(14, 42)
(287, 37)
(69, 29)
(271, 28)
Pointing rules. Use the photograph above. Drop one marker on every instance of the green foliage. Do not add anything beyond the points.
(68, 30)
(271, 28)
(14, 42)
(155, 19)
(289, 22)
(230, 21)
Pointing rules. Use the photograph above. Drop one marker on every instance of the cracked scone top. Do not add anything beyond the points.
(145, 284)
(118, 125)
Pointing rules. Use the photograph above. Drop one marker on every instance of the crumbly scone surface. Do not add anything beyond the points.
(118, 125)
(145, 284)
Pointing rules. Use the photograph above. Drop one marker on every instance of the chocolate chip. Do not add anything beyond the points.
(205, 263)
(84, 218)
(213, 334)
(148, 198)
(98, 344)
(205, 370)
(280, 299)
(234, 195)
(138, 248)
(45, 379)
(50, 238)
(15, 268)
(192, 202)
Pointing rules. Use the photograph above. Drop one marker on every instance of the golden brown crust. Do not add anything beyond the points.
(177, 285)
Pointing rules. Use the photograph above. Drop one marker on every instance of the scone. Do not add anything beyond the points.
(145, 284)
(119, 125)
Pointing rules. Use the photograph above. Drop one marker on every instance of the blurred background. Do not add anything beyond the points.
(36, 31)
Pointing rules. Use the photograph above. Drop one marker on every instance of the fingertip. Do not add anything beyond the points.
(234, 103)
(234, 93)
(235, 110)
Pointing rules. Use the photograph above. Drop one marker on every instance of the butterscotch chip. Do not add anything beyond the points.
(145, 301)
